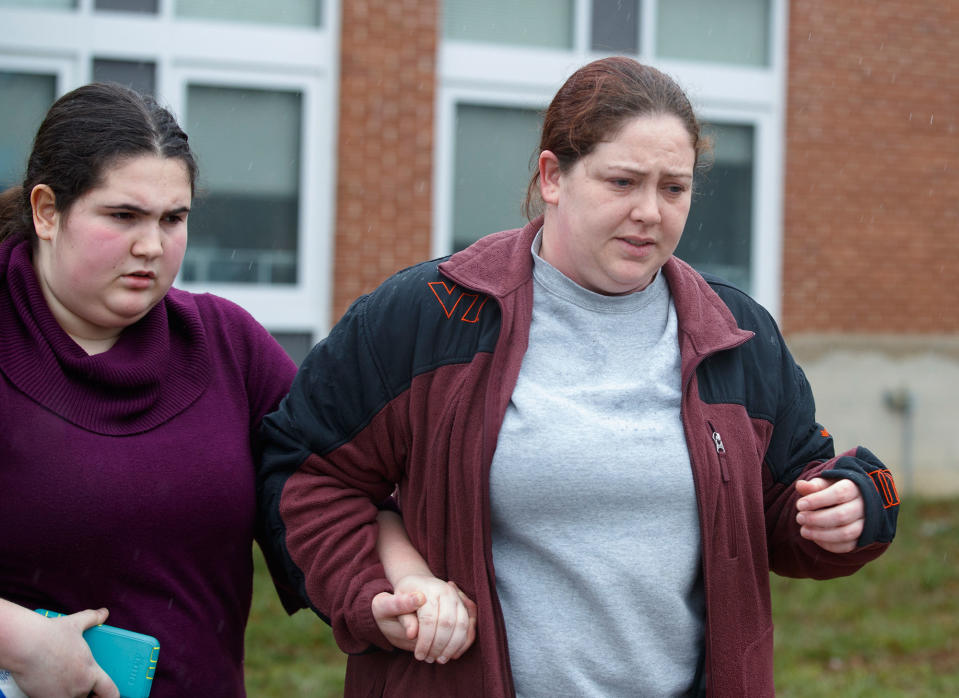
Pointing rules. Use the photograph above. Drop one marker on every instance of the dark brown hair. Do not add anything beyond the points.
(594, 104)
(84, 133)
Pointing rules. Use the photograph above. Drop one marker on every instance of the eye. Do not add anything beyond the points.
(675, 189)
(621, 182)
(174, 218)
(121, 215)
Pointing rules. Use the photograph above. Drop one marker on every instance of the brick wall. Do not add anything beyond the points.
(872, 167)
(384, 160)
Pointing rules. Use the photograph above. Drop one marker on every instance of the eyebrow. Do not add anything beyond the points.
(645, 173)
(143, 211)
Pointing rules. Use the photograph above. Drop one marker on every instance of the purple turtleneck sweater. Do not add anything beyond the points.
(127, 478)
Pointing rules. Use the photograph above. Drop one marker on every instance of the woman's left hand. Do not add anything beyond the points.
(831, 513)
(443, 627)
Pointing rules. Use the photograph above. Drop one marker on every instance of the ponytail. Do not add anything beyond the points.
(16, 217)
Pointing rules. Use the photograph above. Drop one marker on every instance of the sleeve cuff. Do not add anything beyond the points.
(879, 494)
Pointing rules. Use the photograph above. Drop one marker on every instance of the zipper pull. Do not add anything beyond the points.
(718, 440)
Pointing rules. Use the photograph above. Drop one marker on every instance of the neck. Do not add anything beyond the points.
(86, 335)
(94, 346)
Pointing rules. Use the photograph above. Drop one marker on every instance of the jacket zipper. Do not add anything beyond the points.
(720, 451)
(731, 518)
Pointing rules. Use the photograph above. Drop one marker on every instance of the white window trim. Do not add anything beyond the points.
(63, 70)
(282, 307)
(480, 73)
(215, 52)
(443, 157)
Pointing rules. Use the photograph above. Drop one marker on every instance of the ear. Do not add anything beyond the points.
(549, 174)
(46, 218)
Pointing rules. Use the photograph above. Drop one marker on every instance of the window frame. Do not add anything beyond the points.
(284, 306)
(217, 53)
(445, 157)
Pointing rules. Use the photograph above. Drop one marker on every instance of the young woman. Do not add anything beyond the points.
(605, 450)
(129, 413)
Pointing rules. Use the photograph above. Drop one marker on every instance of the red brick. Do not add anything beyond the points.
(384, 160)
(871, 242)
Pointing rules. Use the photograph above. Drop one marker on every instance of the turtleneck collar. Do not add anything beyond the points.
(158, 367)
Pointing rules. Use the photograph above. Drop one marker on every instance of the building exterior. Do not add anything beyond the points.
(871, 226)
(341, 140)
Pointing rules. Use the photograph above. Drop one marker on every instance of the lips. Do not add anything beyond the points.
(139, 280)
(638, 247)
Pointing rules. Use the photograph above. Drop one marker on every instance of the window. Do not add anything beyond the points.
(718, 238)
(33, 94)
(253, 82)
(245, 220)
(142, 6)
(494, 146)
(290, 12)
(40, 4)
(296, 344)
(615, 26)
(138, 75)
(539, 23)
(732, 31)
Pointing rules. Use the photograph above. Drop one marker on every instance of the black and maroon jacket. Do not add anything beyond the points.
(409, 389)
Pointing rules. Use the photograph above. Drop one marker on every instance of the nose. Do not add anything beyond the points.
(148, 242)
(646, 206)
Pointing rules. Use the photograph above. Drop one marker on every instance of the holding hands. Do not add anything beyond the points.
(831, 513)
(425, 615)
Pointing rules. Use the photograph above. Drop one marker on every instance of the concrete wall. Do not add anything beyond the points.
(853, 377)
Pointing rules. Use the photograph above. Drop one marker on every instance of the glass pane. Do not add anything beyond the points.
(145, 6)
(138, 75)
(718, 234)
(494, 147)
(57, 4)
(33, 95)
(732, 31)
(295, 12)
(296, 344)
(531, 23)
(615, 26)
(244, 222)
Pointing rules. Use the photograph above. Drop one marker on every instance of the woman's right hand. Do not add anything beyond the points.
(48, 657)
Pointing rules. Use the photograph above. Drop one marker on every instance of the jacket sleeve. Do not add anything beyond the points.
(801, 448)
(331, 452)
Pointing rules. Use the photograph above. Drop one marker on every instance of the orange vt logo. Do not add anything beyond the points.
(883, 481)
(454, 300)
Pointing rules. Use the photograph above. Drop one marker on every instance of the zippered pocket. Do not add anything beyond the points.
(720, 451)
(727, 504)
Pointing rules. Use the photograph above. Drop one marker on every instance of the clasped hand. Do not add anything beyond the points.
(427, 616)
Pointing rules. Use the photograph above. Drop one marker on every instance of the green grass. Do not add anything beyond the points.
(892, 629)
(288, 656)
